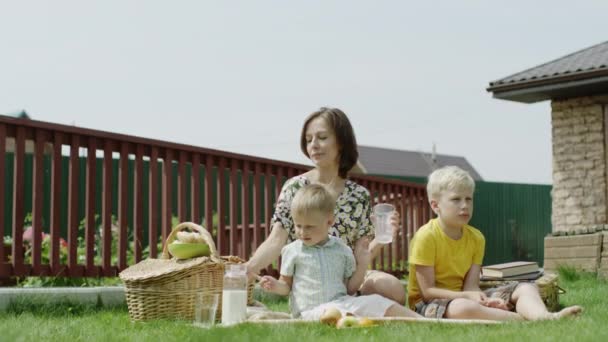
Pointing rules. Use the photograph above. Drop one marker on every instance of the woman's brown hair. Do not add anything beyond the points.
(345, 137)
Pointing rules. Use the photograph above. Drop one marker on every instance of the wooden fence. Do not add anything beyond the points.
(238, 190)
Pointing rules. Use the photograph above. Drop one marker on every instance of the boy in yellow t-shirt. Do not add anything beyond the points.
(446, 258)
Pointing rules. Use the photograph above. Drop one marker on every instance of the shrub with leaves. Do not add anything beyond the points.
(45, 245)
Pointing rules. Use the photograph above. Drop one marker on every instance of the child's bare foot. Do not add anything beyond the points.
(570, 311)
(573, 310)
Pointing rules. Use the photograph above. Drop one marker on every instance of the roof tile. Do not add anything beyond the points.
(386, 161)
(590, 59)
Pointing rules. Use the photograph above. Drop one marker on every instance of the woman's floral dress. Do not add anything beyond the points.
(352, 211)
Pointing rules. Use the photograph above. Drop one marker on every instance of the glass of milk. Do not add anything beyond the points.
(234, 294)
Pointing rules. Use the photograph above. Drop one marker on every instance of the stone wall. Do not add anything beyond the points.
(579, 163)
(603, 269)
(586, 250)
(582, 252)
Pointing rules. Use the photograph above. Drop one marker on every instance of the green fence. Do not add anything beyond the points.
(514, 219)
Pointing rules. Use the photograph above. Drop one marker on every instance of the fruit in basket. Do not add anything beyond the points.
(190, 237)
(185, 250)
(331, 316)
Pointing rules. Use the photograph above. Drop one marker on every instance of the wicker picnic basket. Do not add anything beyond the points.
(166, 287)
(547, 286)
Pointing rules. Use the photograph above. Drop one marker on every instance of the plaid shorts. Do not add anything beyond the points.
(436, 308)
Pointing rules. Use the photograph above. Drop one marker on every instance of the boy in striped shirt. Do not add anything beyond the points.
(319, 271)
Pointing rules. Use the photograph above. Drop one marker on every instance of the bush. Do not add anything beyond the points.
(45, 245)
(81, 252)
(568, 273)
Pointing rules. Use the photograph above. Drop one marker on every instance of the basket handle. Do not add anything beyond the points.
(204, 233)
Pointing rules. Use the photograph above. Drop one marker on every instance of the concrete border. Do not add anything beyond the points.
(106, 296)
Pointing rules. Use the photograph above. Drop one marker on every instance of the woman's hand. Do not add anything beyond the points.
(393, 220)
(268, 251)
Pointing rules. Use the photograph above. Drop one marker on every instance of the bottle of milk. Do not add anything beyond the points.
(234, 295)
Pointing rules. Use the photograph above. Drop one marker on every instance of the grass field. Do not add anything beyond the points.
(27, 321)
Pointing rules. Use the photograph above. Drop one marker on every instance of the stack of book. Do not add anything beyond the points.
(516, 270)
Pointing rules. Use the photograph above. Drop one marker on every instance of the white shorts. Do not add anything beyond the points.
(363, 306)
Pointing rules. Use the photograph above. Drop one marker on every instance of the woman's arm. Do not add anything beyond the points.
(374, 249)
(269, 250)
(426, 281)
(363, 259)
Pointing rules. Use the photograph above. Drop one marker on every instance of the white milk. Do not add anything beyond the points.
(234, 306)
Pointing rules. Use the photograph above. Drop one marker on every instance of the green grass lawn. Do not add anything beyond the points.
(30, 322)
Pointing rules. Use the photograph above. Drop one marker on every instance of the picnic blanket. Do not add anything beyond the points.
(260, 313)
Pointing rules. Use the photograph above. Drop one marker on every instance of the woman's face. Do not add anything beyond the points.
(321, 143)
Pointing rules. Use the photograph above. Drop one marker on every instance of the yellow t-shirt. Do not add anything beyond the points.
(451, 258)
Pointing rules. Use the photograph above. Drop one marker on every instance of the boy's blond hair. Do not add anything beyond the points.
(314, 198)
(448, 178)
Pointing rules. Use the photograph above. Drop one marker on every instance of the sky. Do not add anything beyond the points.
(241, 76)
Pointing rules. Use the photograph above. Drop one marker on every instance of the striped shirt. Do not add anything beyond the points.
(319, 272)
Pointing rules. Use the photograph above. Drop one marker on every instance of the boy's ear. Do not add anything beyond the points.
(434, 206)
(330, 220)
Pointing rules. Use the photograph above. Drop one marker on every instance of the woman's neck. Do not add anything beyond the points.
(327, 176)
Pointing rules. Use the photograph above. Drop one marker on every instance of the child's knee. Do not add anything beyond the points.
(386, 286)
(525, 289)
(397, 310)
(394, 310)
(395, 291)
(462, 307)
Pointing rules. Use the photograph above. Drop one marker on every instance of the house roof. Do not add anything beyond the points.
(581, 73)
(20, 114)
(392, 162)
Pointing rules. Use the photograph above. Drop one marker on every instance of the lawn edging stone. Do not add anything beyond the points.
(106, 296)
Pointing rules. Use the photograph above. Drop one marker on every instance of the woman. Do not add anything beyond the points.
(328, 140)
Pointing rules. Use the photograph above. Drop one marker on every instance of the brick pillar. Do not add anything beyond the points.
(580, 192)
(579, 197)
